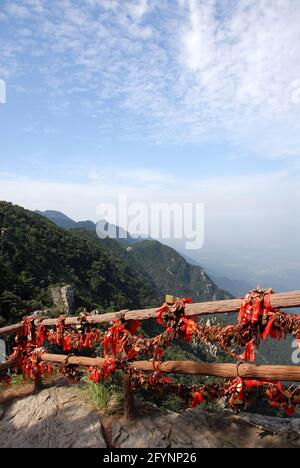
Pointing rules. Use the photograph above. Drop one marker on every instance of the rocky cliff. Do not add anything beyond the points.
(60, 417)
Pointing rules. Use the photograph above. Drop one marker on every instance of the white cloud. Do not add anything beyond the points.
(242, 62)
(17, 10)
(261, 194)
(195, 71)
(138, 9)
(132, 177)
(199, 39)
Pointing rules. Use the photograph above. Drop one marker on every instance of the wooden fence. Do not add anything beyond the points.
(243, 370)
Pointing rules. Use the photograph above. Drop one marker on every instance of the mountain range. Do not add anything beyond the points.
(234, 287)
(164, 266)
(37, 254)
(63, 221)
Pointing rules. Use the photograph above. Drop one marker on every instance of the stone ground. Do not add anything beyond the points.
(60, 417)
(196, 428)
(56, 417)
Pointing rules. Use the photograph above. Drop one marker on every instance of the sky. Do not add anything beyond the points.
(174, 100)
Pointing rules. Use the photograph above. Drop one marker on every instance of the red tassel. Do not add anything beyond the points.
(249, 353)
(198, 399)
(267, 330)
(134, 325)
(95, 376)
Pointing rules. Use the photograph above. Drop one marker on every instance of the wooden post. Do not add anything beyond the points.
(129, 406)
(38, 384)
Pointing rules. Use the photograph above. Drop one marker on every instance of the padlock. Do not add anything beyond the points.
(169, 299)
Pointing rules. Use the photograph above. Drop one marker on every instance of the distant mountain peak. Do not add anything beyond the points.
(62, 220)
(57, 214)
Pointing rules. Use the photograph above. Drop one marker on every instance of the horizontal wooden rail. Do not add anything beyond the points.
(279, 300)
(7, 365)
(10, 329)
(246, 371)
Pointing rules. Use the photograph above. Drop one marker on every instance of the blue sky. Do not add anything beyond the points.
(186, 100)
(155, 85)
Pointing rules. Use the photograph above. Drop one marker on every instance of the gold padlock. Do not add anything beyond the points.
(170, 299)
(288, 394)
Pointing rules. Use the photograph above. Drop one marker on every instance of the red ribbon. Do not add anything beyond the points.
(188, 327)
(197, 399)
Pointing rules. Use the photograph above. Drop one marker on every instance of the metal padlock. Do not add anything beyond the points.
(170, 300)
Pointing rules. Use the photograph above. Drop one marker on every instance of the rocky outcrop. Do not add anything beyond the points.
(61, 417)
(56, 417)
(198, 429)
(5, 234)
(2, 351)
(63, 298)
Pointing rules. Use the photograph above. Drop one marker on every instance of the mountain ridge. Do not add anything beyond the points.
(36, 255)
(157, 260)
(64, 221)
(170, 270)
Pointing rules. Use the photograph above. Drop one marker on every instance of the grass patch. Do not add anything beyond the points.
(104, 396)
(15, 380)
(18, 379)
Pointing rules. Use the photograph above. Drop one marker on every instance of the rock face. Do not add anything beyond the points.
(2, 351)
(56, 417)
(198, 429)
(5, 234)
(63, 297)
(60, 417)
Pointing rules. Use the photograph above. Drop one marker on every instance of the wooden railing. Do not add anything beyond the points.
(280, 300)
(243, 370)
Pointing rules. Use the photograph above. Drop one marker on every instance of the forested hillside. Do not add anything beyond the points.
(35, 255)
(171, 272)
